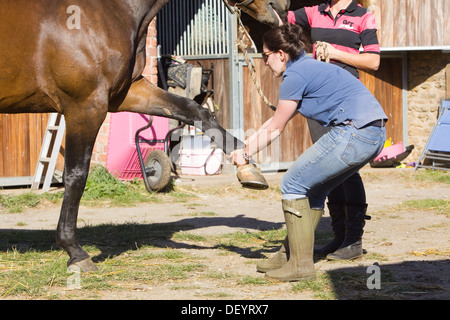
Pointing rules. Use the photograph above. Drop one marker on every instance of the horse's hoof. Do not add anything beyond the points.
(250, 176)
(85, 265)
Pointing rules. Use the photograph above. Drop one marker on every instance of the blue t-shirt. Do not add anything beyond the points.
(328, 93)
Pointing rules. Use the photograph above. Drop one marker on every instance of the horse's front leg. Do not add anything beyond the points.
(144, 97)
(81, 132)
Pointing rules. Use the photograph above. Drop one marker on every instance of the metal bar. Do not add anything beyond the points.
(200, 30)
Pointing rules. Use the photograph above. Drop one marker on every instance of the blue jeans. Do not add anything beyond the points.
(336, 156)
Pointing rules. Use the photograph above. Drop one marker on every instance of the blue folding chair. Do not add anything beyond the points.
(437, 148)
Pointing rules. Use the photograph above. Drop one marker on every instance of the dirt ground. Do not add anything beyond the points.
(410, 246)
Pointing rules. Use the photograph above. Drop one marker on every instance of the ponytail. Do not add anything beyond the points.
(287, 37)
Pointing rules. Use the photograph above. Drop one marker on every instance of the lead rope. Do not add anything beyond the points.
(242, 43)
(322, 53)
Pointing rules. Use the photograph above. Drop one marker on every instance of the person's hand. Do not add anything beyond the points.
(238, 158)
(333, 53)
(323, 51)
(326, 52)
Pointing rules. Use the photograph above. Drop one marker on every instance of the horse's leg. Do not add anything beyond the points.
(144, 97)
(81, 132)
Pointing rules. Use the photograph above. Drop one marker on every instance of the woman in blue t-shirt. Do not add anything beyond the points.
(344, 28)
(335, 98)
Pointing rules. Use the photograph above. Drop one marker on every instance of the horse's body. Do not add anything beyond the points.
(84, 61)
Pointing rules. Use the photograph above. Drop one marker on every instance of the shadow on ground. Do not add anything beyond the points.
(405, 280)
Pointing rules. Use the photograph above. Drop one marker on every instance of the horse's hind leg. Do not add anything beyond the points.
(144, 97)
(81, 132)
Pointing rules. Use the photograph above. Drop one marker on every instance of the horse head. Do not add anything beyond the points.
(265, 11)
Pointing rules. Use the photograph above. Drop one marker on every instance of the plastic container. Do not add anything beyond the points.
(390, 152)
(122, 158)
(198, 158)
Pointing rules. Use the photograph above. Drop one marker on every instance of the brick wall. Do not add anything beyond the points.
(427, 85)
(151, 73)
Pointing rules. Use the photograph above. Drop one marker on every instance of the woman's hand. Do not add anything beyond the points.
(238, 158)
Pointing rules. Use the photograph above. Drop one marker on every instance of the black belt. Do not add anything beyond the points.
(376, 123)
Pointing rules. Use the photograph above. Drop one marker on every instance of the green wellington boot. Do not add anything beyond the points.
(300, 234)
(281, 257)
(277, 260)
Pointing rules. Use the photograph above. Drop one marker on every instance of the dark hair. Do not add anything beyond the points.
(287, 37)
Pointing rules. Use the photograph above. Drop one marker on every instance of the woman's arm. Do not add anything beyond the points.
(363, 61)
(268, 132)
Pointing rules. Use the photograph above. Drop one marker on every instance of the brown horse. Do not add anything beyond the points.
(83, 61)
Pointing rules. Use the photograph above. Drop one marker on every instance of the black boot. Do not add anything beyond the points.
(351, 248)
(337, 214)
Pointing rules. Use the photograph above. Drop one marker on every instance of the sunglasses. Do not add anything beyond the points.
(265, 55)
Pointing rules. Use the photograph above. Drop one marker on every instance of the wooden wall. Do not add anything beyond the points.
(412, 23)
(294, 140)
(296, 137)
(386, 85)
(20, 143)
(221, 87)
(401, 23)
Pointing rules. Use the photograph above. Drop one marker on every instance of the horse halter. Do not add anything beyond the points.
(244, 3)
(239, 4)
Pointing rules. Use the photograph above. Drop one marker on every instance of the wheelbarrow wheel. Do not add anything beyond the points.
(158, 169)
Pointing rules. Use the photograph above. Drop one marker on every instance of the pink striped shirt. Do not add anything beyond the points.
(353, 28)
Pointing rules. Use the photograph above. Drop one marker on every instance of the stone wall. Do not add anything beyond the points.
(427, 85)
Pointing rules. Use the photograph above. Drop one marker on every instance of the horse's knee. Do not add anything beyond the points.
(66, 237)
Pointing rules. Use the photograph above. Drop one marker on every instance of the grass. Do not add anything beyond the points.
(102, 189)
(438, 205)
(18, 203)
(432, 176)
(126, 254)
(131, 256)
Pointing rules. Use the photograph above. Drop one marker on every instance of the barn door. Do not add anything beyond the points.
(386, 85)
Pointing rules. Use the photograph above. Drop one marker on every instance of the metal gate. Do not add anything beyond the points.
(200, 30)
(194, 28)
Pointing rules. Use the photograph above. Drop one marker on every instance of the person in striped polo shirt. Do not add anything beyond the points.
(343, 27)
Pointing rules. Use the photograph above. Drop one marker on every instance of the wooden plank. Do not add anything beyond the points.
(446, 13)
(294, 140)
(386, 85)
(412, 12)
(386, 33)
(21, 138)
(221, 87)
(425, 22)
(399, 23)
(413, 23)
(437, 22)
